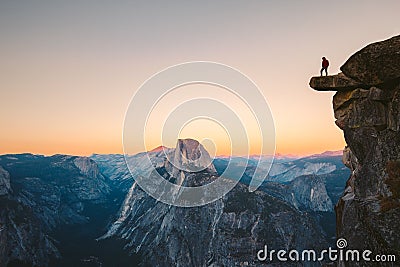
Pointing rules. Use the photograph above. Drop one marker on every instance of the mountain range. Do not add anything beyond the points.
(88, 211)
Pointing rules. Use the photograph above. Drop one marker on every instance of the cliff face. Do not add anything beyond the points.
(189, 155)
(227, 232)
(367, 109)
(5, 186)
(39, 195)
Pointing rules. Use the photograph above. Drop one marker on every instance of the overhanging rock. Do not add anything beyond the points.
(339, 82)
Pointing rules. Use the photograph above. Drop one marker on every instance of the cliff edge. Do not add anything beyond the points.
(367, 109)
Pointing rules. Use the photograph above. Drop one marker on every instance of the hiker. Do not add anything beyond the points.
(325, 65)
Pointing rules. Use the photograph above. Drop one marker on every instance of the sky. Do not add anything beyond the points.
(69, 69)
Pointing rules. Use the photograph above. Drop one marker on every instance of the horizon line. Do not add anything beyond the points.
(278, 154)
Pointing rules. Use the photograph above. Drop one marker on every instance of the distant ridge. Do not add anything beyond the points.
(329, 154)
(292, 156)
(158, 149)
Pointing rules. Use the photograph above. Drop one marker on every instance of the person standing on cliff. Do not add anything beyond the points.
(325, 65)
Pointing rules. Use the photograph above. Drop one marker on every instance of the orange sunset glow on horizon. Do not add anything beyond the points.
(69, 70)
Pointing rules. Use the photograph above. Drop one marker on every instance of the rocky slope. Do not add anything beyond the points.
(367, 109)
(227, 232)
(114, 166)
(5, 186)
(308, 193)
(52, 210)
(303, 183)
(40, 194)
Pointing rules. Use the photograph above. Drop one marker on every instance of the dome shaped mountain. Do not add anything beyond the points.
(226, 232)
(189, 157)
